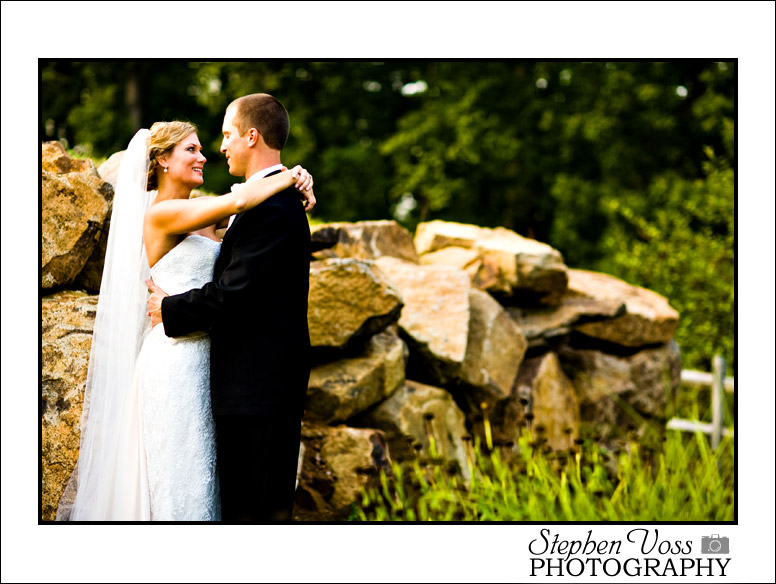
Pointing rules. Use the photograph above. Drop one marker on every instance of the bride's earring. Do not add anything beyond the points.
(165, 169)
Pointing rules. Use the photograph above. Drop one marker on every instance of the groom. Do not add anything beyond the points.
(255, 311)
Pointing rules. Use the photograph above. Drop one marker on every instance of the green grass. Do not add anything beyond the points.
(79, 153)
(683, 481)
(694, 403)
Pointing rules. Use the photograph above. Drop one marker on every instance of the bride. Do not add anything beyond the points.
(147, 434)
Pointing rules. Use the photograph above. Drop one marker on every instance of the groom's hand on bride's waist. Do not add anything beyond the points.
(155, 302)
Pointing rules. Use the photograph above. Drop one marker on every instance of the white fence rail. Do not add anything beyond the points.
(703, 379)
(719, 385)
(693, 426)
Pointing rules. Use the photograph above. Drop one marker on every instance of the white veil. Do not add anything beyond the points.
(110, 482)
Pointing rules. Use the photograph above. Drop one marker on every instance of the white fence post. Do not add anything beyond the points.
(717, 400)
(719, 385)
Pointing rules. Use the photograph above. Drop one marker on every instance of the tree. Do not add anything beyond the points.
(624, 167)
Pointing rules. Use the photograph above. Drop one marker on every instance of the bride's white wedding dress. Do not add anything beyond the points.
(174, 398)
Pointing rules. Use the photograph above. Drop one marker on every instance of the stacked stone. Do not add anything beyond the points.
(377, 316)
(492, 324)
(600, 356)
(412, 338)
(76, 210)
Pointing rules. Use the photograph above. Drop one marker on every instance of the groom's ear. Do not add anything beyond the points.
(256, 140)
(254, 137)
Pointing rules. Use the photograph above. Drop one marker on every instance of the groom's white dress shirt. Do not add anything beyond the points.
(257, 176)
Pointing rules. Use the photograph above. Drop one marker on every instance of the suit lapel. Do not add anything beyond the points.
(236, 219)
(239, 216)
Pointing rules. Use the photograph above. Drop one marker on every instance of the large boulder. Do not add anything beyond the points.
(648, 318)
(435, 235)
(109, 170)
(67, 322)
(462, 258)
(415, 413)
(620, 393)
(506, 264)
(75, 207)
(339, 390)
(458, 337)
(494, 350)
(90, 277)
(352, 456)
(315, 481)
(364, 240)
(349, 301)
(435, 317)
(56, 160)
(581, 303)
(544, 391)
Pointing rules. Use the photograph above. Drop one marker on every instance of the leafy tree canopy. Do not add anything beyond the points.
(625, 167)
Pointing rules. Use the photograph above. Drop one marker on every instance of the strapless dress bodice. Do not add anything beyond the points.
(188, 265)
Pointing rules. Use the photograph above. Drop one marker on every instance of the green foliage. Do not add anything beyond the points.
(694, 403)
(624, 167)
(685, 482)
(79, 153)
(682, 481)
(679, 241)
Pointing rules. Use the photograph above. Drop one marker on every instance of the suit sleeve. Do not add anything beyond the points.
(254, 253)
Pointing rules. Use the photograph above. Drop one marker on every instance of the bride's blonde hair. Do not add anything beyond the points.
(164, 137)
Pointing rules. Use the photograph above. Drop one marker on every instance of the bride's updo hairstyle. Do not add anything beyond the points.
(164, 137)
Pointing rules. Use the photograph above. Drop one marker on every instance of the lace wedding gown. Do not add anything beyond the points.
(174, 394)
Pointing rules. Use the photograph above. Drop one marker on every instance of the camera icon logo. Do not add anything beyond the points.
(715, 544)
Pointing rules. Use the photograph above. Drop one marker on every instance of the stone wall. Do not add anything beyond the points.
(412, 337)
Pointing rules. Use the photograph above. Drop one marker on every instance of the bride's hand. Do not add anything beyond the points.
(309, 200)
(304, 180)
(305, 185)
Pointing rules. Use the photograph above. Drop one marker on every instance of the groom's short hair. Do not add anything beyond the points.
(266, 114)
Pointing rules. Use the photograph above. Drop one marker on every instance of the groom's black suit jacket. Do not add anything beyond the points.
(255, 311)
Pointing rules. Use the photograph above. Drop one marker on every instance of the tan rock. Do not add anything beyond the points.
(75, 207)
(401, 417)
(507, 264)
(579, 304)
(494, 350)
(434, 235)
(456, 257)
(67, 324)
(648, 318)
(618, 393)
(352, 455)
(316, 481)
(90, 277)
(456, 335)
(544, 390)
(339, 390)
(109, 170)
(364, 240)
(57, 161)
(349, 300)
(435, 317)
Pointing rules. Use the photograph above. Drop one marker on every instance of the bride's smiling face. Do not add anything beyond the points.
(185, 163)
